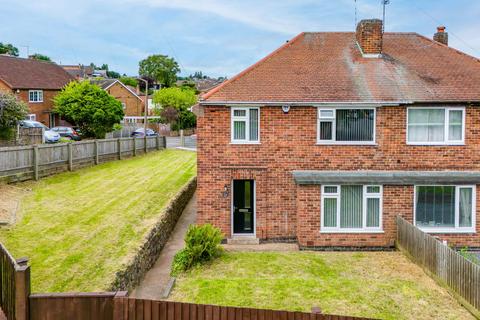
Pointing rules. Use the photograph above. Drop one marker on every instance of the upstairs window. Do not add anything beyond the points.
(35, 96)
(245, 125)
(346, 126)
(435, 126)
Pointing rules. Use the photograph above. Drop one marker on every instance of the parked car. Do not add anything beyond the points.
(140, 132)
(67, 132)
(49, 135)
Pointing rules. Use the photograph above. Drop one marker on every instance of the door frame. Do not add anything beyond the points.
(232, 211)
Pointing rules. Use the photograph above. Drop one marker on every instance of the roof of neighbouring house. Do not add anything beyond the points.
(323, 67)
(78, 71)
(20, 73)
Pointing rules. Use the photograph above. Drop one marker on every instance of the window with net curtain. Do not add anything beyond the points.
(445, 207)
(346, 125)
(245, 125)
(351, 207)
(435, 125)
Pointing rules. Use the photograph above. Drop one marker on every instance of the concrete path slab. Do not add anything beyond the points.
(279, 247)
(156, 280)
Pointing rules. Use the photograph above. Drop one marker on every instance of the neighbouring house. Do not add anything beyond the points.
(328, 138)
(202, 85)
(133, 105)
(79, 71)
(35, 82)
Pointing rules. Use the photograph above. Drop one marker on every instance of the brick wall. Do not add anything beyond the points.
(133, 105)
(42, 109)
(288, 142)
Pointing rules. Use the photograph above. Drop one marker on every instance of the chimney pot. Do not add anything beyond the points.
(441, 36)
(370, 37)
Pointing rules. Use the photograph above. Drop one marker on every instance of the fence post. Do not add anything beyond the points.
(119, 301)
(164, 138)
(35, 162)
(134, 146)
(96, 151)
(145, 144)
(157, 141)
(22, 289)
(119, 147)
(182, 139)
(70, 157)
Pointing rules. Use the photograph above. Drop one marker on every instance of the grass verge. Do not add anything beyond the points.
(78, 228)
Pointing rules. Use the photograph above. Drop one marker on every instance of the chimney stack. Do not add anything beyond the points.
(370, 37)
(441, 36)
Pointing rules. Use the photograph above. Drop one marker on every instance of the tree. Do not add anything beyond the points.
(129, 81)
(12, 110)
(8, 48)
(113, 74)
(39, 56)
(161, 68)
(174, 107)
(89, 107)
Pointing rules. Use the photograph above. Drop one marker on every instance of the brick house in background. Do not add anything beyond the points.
(331, 136)
(36, 83)
(132, 103)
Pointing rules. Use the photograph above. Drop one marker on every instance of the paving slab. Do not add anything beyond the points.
(157, 279)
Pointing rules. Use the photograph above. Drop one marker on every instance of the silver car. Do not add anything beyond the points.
(49, 135)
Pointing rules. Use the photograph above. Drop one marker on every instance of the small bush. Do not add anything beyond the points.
(202, 244)
(464, 252)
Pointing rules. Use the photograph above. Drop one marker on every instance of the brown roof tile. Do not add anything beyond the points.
(328, 67)
(21, 73)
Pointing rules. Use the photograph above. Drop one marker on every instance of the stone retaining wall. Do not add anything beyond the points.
(147, 255)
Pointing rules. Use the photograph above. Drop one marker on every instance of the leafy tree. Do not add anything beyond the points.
(12, 110)
(89, 107)
(174, 107)
(113, 74)
(129, 81)
(8, 48)
(161, 68)
(39, 56)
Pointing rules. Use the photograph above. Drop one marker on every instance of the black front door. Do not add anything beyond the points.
(243, 206)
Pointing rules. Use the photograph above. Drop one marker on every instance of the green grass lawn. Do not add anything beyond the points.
(78, 228)
(381, 285)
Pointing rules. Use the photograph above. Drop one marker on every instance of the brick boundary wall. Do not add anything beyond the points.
(134, 271)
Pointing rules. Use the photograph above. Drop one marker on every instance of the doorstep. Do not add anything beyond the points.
(243, 240)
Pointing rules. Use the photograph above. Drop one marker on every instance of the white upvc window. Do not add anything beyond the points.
(346, 125)
(445, 208)
(35, 96)
(351, 209)
(245, 125)
(435, 126)
(31, 117)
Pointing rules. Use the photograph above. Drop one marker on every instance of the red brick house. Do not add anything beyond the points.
(36, 83)
(331, 136)
(133, 105)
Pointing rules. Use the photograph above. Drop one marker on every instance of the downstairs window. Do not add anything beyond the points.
(445, 208)
(351, 208)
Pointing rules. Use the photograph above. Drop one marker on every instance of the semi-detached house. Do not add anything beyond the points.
(327, 139)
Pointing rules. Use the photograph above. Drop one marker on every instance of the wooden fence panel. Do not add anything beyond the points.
(7, 283)
(72, 306)
(458, 273)
(13, 158)
(20, 162)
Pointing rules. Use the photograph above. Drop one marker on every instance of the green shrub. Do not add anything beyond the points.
(202, 244)
(464, 252)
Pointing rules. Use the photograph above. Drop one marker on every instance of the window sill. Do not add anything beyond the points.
(35, 101)
(435, 144)
(446, 230)
(344, 231)
(245, 143)
(334, 143)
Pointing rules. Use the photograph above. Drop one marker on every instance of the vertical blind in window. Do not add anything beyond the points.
(351, 207)
(355, 125)
(245, 124)
(444, 206)
(435, 125)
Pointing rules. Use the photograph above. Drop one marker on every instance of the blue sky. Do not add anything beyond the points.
(218, 37)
